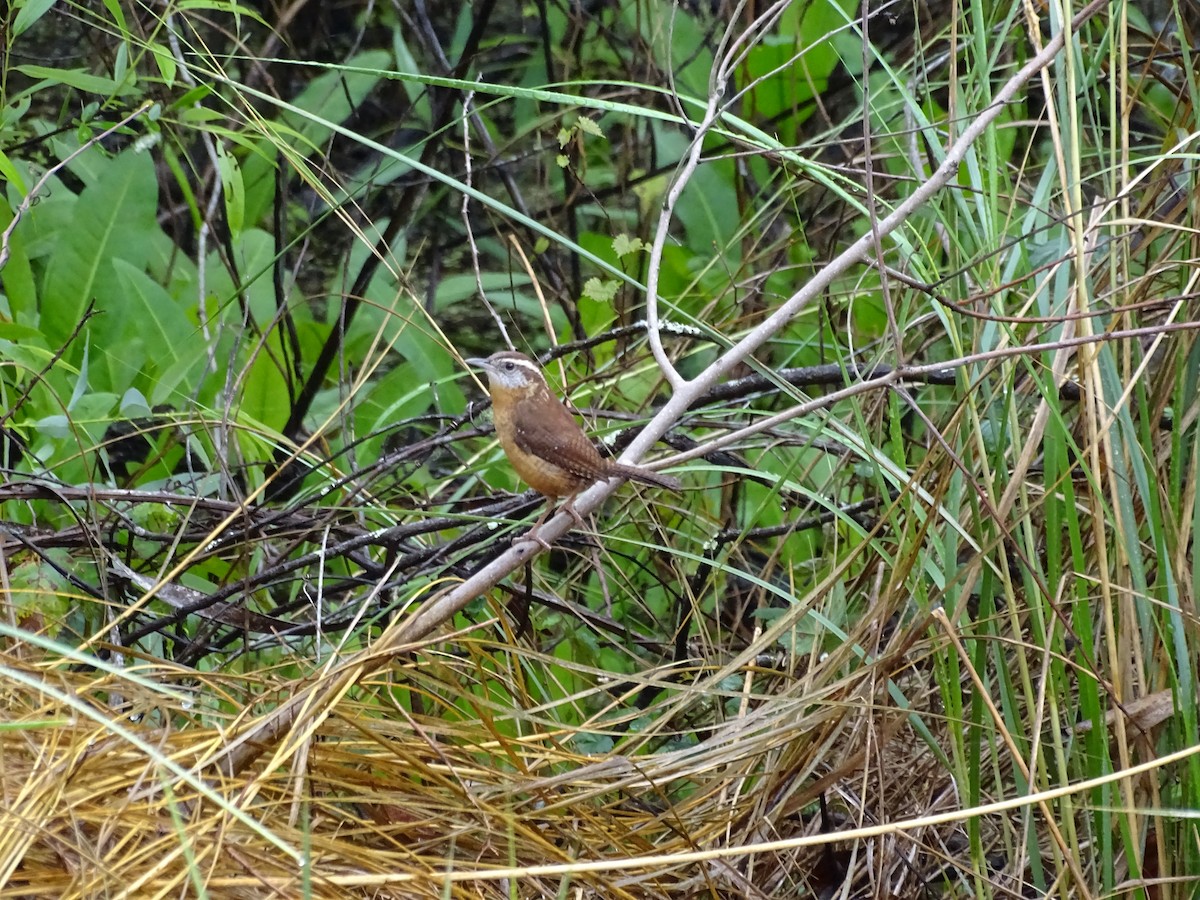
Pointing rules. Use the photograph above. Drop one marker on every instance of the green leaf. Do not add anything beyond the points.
(90, 416)
(88, 160)
(463, 287)
(14, 111)
(179, 382)
(234, 190)
(10, 174)
(254, 254)
(401, 394)
(121, 64)
(37, 588)
(624, 245)
(18, 280)
(588, 126)
(22, 352)
(265, 399)
(81, 382)
(191, 97)
(258, 180)
(234, 9)
(118, 14)
(134, 404)
(329, 98)
(56, 427)
(27, 14)
(162, 345)
(80, 79)
(602, 291)
(596, 305)
(167, 66)
(418, 98)
(114, 218)
(14, 337)
(160, 317)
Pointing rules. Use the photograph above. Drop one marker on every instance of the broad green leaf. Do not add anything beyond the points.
(179, 381)
(684, 45)
(464, 288)
(88, 162)
(704, 210)
(159, 317)
(14, 337)
(410, 389)
(258, 180)
(90, 416)
(113, 219)
(18, 279)
(265, 399)
(55, 427)
(402, 393)
(595, 313)
(49, 219)
(18, 349)
(175, 271)
(254, 254)
(157, 339)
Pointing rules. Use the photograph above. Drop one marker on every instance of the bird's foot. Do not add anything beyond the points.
(569, 509)
(533, 535)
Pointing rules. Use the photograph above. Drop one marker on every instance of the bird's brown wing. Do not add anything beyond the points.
(549, 431)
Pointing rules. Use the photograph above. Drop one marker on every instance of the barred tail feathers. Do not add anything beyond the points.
(645, 476)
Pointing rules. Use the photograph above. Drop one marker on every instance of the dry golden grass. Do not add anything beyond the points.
(103, 796)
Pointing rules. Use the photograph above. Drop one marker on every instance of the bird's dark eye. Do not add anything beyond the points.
(508, 367)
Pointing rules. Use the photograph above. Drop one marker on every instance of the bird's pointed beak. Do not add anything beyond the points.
(476, 362)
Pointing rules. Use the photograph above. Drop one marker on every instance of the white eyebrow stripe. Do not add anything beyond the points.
(524, 364)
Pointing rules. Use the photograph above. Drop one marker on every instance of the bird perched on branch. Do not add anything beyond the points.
(546, 446)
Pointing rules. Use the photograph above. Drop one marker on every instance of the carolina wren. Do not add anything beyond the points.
(543, 441)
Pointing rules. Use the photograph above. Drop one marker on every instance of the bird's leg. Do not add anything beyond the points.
(568, 507)
(532, 534)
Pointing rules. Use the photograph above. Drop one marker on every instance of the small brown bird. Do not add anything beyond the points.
(543, 441)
